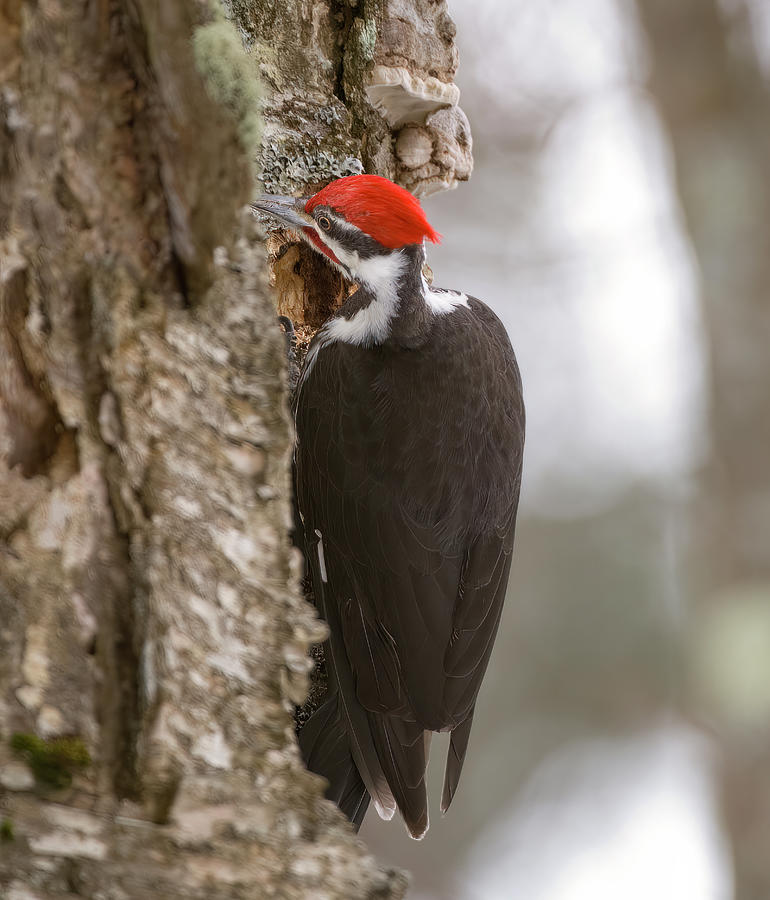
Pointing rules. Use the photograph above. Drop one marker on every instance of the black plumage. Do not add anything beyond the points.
(408, 466)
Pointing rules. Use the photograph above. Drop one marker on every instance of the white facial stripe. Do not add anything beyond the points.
(380, 275)
(343, 224)
(340, 223)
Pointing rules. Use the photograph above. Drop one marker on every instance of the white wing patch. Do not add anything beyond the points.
(321, 559)
(441, 303)
(319, 342)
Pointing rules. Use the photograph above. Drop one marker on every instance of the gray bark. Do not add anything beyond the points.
(153, 640)
(715, 101)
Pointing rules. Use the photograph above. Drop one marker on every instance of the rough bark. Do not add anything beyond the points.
(153, 640)
(715, 102)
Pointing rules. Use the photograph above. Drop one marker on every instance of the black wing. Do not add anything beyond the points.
(408, 472)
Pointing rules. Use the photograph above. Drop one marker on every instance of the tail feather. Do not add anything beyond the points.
(401, 748)
(325, 748)
(351, 717)
(458, 744)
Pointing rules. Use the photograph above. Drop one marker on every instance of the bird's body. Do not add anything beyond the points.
(410, 425)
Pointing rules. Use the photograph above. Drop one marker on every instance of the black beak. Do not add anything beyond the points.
(286, 210)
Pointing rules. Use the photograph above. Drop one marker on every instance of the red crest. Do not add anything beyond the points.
(381, 209)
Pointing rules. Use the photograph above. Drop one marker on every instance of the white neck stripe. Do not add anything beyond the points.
(380, 276)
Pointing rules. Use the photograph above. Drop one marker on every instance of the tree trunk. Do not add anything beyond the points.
(153, 640)
(715, 102)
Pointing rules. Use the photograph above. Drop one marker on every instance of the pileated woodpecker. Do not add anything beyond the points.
(410, 432)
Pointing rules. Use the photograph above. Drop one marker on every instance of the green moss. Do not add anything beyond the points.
(231, 78)
(53, 762)
(6, 831)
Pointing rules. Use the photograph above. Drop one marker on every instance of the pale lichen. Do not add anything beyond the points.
(285, 165)
(230, 77)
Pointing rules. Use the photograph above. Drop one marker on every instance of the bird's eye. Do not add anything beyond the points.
(324, 223)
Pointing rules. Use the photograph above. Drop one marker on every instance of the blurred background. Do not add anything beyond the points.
(618, 221)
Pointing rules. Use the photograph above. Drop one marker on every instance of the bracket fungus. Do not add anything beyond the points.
(437, 155)
(403, 97)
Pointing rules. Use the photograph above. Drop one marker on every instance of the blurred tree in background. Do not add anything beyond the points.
(711, 85)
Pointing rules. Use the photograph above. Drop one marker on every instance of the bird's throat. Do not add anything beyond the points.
(389, 306)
